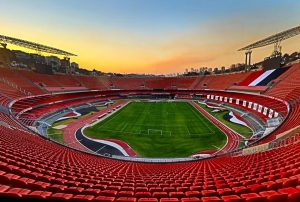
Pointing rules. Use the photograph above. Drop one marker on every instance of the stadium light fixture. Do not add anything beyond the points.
(32, 45)
(274, 39)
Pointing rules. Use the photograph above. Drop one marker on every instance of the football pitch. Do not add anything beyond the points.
(160, 129)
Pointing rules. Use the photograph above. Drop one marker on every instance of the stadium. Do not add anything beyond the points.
(228, 134)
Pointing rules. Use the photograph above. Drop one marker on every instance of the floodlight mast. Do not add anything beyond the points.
(275, 39)
(4, 40)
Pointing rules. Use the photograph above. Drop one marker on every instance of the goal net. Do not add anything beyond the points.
(155, 132)
(158, 132)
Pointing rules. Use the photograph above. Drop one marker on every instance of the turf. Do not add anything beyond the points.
(160, 129)
(243, 130)
(56, 134)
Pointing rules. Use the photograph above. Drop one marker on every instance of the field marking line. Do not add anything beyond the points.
(151, 129)
(138, 133)
(114, 115)
(200, 117)
(160, 125)
(200, 120)
(147, 109)
(126, 124)
(188, 130)
(215, 146)
(213, 132)
(199, 134)
(228, 133)
(117, 131)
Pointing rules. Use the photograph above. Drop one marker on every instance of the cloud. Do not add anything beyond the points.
(178, 63)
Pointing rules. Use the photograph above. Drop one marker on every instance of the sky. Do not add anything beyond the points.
(151, 36)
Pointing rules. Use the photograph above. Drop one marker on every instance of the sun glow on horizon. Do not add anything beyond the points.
(129, 37)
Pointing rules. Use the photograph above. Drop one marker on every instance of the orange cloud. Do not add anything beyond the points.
(213, 45)
(178, 63)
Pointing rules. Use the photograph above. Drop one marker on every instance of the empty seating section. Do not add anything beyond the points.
(221, 82)
(128, 83)
(33, 167)
(76, 98)
(255, 89)
(19, 82)
(286, 84)
(53, 83)
(31, 81)
(291, 122)
(185, 82)
(8, 120)
(37, 83)
(203, 83)
(91, 82)
(287, 87)
(4, 100)
(250, 78)
(8, 93)
(274, 104)
(170, 82)
(67, 81)
(41, 79)
(22, 104)
(195, 82)
(106, 82)
(30, 116)
(218, 82)
(160, 83)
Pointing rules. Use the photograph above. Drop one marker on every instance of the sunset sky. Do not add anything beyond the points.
(151, 36)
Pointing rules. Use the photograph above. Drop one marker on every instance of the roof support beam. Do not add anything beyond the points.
(274, 39)
(33, 46)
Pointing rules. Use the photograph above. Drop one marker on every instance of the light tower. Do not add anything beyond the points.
(275, 39)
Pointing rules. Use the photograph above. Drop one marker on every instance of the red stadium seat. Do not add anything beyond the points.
(293, 194)
(232, 198)
(104, 199)
(274, 196)
(148, 200)
(253, 197)
(32, 167)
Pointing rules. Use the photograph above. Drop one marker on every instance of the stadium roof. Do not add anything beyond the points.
(33, 46)
(273, 39)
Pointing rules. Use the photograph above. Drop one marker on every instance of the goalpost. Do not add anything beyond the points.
(155, 131)
(168, 133)
(158, 132)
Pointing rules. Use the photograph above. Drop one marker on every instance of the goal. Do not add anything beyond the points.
(155, 132)
(159, 132)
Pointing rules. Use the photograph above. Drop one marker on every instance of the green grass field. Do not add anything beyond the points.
(243, 130)
(160, 129)
(57, 134)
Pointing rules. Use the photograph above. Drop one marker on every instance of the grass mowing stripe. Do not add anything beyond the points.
(243, 130)
(200, 117)
(177, 129)
(105, 121)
